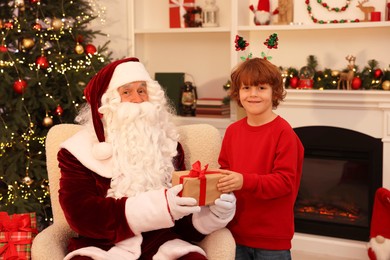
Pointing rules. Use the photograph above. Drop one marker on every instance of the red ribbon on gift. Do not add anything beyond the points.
(18, 222)
(8, 251)
(197, 172)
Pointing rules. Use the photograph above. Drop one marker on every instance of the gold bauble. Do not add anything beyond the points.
(28, 43)
(386, 85)
(79, 49)
(56, 24)
(27, 180)
(47, 121)
(335, 73)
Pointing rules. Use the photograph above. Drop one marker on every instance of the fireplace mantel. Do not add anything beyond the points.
(365, 111)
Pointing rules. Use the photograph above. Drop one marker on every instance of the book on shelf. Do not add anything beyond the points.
(209, 101)
(213, 115)
(217, 111)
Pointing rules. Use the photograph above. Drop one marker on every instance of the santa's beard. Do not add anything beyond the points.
(144, 143)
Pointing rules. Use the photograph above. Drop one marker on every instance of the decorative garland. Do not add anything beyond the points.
(315, 20)
(335, 9)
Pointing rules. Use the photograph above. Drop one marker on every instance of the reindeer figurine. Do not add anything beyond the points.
(345, 79)
(365, 9)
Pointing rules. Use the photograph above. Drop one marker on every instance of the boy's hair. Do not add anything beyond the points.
(254, 72)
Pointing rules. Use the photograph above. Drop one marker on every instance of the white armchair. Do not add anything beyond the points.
(200, 142)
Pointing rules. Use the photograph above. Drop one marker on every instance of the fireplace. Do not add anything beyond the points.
(364, 113)
(342, 170)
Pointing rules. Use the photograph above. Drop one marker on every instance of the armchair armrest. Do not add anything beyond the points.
(51, 243)
(219, 245)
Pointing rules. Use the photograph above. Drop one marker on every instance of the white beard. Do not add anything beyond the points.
(144, 143)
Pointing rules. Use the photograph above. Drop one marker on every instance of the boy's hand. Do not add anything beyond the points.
(231, 182)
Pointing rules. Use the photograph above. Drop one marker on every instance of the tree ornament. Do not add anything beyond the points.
(8, 25)
(19, 86)
(294, 82)
(37, 26)
(90, 49)
(28, 43)
(20, 4)
(41, 62)
(35, 1)
(386, 85)
(27, 180)
(356, 83)
(59, 110)
(47, 121)
(378, 73)
(79, 49)
(3, 48)
(57, 24)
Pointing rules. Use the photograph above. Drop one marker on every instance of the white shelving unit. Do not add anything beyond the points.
(207, 55)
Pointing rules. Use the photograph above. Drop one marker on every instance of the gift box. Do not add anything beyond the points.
(177, 10)
(198, 184)
(16, 235)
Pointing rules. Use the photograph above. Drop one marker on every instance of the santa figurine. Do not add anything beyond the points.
(262, 13)
(379, 244)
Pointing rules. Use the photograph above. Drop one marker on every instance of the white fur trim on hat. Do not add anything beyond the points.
(102, 151)
(128, 72)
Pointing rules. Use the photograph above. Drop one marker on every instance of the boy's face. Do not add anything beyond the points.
(256, 100)
(134, 92)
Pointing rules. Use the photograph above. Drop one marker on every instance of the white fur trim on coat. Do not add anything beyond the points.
(176, 248)
(206, 222)
(148, 211)
(81, 145)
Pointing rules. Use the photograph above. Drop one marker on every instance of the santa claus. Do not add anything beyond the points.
(115, 175)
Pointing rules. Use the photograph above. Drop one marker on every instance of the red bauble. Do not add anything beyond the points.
(37, 26)
(378, 73)
(90, 49)
(34, 1)
(294, 82)
(19, 86)
(8, 25)
(3, 48)
(42, 62)
(356, 83)
(59, 110)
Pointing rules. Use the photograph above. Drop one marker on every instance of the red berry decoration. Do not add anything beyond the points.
(42, 62)
(294, 82)
(8, 25)
(59, 110)
(356, 83)
(90, 49)
(378, 73)
(19, 86)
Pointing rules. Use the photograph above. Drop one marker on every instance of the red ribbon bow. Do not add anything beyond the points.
(18, 222)
(197, 172)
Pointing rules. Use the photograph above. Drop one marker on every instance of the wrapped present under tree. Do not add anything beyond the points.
(17, 232)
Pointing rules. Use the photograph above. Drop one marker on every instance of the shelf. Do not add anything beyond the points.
(359, 25)
(184, 30)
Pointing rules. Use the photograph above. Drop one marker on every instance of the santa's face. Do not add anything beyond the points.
(135, 92)
(143, 146)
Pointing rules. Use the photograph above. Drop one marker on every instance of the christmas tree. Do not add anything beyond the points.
(47, 57)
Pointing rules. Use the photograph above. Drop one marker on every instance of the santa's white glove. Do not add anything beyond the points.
(180, 206)
(225, 206)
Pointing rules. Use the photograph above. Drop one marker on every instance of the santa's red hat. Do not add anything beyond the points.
(112, 76)
(380, 221)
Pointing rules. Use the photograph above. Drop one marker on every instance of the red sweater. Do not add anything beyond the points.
(270, 159)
